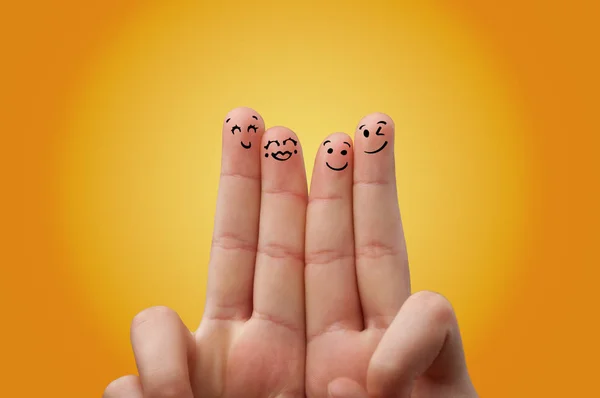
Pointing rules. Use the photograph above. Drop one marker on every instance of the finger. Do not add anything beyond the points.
(423, 340)
(124, 387)
(331, 291)
(233, 252)
(279, 277)
(381, 260)
(164, 350)
(345, 388)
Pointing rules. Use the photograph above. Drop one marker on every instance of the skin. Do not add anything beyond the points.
(319, 305)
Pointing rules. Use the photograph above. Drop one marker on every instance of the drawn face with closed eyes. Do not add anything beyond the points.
(250, 128)
(283, 150)
(244, 124)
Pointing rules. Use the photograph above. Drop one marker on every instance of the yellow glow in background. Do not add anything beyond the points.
(132, 178)
(141, 160)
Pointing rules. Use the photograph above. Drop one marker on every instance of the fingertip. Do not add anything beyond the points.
(244, 112)
(374, 134)
(280, 144)
(335, 154)
(376, 117)
(339, 138)
(243, 125)
(279, 132)
(243, 128)
(374, 148)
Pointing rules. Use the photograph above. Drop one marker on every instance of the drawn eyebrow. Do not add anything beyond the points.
(290, 139)
(360, 128)
(381, 122)
(347, 144)
(254, 117)
(271, 142)
(228, 119)
(326, 141)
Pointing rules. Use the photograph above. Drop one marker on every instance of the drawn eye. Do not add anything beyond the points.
(271, 142)
(330, 150)
(252, 127)
(366, 133)
(289, 139)
(236, 127)
(378, 131)
(344, 152)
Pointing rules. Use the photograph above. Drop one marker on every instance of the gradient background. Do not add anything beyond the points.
(110, 117)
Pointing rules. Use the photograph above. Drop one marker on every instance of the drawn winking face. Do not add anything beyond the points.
(238, 128)
(368, 133)
(281, 151)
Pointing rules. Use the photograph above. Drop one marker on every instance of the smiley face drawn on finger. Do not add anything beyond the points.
(283, 150)
(241, 129)
(330, 151)
(368, 133)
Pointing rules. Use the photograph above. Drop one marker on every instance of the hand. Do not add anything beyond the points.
(365, 336)
(251, 341)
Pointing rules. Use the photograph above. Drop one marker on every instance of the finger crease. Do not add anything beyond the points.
(228, 312)
(316, 199)
(371, 182)
(275, 250)
(330, 328)
(326, 256)
(277, 321)
(242, 176)
(281, 192)
(374, 250)
(231, 241)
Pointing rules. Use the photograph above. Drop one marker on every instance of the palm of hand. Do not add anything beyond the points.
(255, 359)
(339, 354)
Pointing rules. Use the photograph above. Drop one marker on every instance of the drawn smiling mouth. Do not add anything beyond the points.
(246, 146)
(337, 169)
(378, 150)
(281, 156)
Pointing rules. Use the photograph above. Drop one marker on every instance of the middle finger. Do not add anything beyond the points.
(279, 274)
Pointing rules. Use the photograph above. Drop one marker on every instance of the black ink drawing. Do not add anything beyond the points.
(366, 133)
(284, 154)
(343, 152)
(250, 128)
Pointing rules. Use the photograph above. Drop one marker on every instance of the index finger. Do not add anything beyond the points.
(235, 235)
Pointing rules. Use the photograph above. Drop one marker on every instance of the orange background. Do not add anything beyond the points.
(542, 342)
